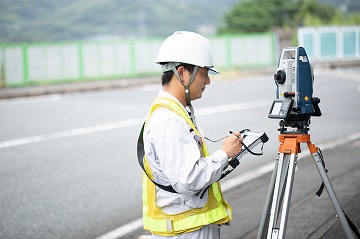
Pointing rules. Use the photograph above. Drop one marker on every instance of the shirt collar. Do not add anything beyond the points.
(165, 94)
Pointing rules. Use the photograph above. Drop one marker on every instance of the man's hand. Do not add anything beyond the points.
(232, 144)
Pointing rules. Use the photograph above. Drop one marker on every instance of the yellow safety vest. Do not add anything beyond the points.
(215, 211)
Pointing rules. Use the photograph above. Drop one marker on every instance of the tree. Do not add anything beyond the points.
(264, 15)
(247, 17)
(313, 13)
(258, 15)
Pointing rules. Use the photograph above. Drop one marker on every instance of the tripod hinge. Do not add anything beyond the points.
(290, 143)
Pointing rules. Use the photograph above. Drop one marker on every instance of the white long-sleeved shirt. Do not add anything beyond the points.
(174, 156)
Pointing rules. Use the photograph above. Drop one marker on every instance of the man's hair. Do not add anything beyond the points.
(166, 77)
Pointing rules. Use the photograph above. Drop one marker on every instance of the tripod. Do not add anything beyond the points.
(274, 219)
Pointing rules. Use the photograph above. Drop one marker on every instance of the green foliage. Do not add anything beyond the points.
(355, 18)
(248, 17)
(264, 15)
(313, 13)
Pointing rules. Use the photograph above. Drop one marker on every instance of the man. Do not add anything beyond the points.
(181, 195)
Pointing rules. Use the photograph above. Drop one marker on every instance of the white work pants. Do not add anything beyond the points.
(206, 232)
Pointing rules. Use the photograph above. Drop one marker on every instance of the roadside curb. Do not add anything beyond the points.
(70, 87)
(16, 92)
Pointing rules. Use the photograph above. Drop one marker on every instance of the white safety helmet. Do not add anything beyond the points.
(186, 47)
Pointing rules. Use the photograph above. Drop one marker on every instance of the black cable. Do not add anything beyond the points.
(322, 186)
(214, 141)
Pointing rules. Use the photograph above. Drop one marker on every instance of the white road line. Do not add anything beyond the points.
(71, 133)
(124, 124)
(232, 183)
(123, 230)
(31, 100)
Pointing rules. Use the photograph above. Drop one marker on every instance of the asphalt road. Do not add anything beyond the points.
(68, 164)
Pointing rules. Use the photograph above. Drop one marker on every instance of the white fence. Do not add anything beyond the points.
(330, 44)
(25, 64)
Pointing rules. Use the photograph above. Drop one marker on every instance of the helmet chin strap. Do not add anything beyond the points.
(187, 89)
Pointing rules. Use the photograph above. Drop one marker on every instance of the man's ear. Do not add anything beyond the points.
(180, 71)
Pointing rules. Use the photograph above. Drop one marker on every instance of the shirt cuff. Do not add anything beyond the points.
(220, 156)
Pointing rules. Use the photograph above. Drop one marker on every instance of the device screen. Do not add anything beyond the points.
(276, 108)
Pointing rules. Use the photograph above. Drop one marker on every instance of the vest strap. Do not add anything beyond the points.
(141, 154)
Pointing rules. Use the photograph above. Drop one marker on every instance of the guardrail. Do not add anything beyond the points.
(37, 63)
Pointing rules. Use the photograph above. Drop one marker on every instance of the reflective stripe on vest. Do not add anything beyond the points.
(215, 211)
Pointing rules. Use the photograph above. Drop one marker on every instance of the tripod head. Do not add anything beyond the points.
(294, 103)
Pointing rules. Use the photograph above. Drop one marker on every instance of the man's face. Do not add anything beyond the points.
(198, 86)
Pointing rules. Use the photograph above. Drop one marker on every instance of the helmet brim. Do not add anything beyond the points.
(212, 71)
(167, 67)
